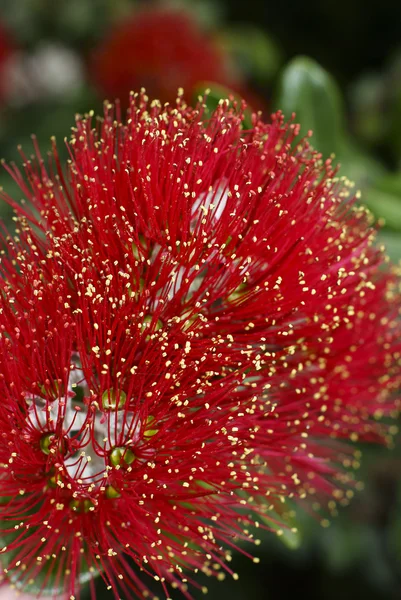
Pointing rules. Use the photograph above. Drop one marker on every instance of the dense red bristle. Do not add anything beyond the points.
(194, 318)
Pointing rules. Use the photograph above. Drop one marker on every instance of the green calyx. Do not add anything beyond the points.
(55, 389)
(142, 249)
(81, 505)
(187, 322)
(54, 480)
(147, 321)
(48, 443)
(135, 289)
(237, 295)
(150, 430)
(113, 400)
(121, 456)
(112, 493)
(45, 442)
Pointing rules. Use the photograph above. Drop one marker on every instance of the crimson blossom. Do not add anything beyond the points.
(8, 49)
(194, 320)
(162, 48)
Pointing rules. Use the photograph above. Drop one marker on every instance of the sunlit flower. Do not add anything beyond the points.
(194, 320)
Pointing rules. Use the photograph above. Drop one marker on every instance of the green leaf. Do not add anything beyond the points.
(385, 202)
(254, 50)
(8, 185)
(370, 121)
(394, 528)
(392, 242)
(206, 12)
(289, 536)
(312, 93)
(359, 167)
(284, 520)
(391, 183)
(345, 544)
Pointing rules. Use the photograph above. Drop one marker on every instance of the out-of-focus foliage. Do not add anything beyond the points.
(308, 90)
(313, 95)
(47, 75)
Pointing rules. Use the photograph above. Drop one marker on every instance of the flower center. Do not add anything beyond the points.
(88, 438)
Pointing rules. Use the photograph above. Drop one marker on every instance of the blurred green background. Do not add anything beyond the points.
(337, 64)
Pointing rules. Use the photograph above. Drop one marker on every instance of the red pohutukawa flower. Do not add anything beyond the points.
(161, 48)
(7, 50)
(194, 318)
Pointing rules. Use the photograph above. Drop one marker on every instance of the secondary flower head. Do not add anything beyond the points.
(194, 320)
(163, 49)
(7, 50)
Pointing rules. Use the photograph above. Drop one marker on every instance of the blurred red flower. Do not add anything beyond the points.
(160, 49)
(7, 49)
(193, 321)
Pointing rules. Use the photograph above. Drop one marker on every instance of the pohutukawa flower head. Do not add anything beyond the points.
(194, 320)
(162, 48)
(8, 50)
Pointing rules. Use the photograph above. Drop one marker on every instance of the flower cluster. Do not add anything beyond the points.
(161, 48)
(194, 320)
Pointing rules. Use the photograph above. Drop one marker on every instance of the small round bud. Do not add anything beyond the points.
(120, 456)
(113, 400)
